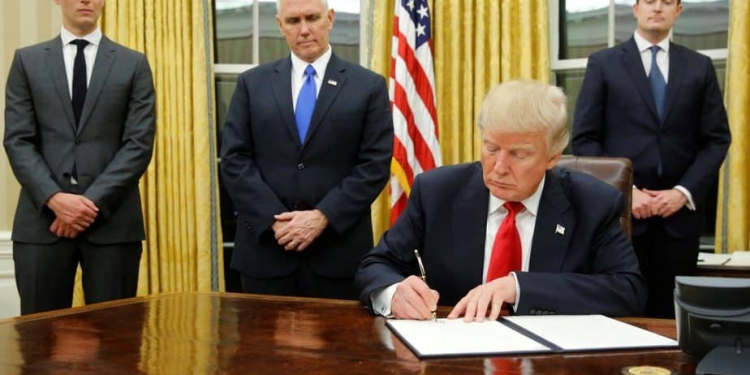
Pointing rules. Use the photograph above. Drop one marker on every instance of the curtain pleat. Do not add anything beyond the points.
(733, 219)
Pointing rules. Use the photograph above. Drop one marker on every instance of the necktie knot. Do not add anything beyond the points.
(309, 72)
(513, 208)
(654, 50)
(80, 43)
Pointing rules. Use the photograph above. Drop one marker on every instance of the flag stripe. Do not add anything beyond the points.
(412, 91)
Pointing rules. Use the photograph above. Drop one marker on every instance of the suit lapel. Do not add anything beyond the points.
(554, 216)
(56, 65)
(676, 70)
(281, 85)
(470, 224)
(631, 58)
(105, 56)
(331, 85)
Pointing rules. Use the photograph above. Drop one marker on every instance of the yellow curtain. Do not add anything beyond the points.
(477, 44)
(733, 220)
(182, 251)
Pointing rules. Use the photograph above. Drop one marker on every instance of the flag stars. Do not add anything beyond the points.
(410, 5)
(423, 12)
(420, 30)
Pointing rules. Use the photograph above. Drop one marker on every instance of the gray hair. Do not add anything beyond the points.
(527, 106)
(278, 5)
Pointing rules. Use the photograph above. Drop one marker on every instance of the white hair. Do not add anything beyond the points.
(278, 5)
(524, 106)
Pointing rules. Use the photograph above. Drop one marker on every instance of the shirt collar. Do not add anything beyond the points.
(299, 65)
(644, 44)
(531, 203)
(93, 38)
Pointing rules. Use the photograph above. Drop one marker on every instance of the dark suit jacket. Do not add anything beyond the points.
(340, 168)
(616, 116)
(111, 147)
(590, 268)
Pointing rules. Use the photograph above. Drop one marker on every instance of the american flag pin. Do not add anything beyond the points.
(559, 229)
(332, 82)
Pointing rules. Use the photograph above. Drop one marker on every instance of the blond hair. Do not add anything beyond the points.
(527, 106)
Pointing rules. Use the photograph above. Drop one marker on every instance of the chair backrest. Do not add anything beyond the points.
(617, 172)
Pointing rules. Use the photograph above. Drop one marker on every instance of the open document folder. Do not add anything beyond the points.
(523, 334)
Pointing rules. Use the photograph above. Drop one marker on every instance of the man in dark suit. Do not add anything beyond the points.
(511, 229)
(79, 133)
(306, 149)
(658, 104)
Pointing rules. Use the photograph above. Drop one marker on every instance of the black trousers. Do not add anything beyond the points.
(45, 274)
(662, 257)
(303, 282)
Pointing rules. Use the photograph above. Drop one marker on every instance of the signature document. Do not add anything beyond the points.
(523, 334)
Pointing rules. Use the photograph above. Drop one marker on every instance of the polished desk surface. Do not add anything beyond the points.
(212, 333)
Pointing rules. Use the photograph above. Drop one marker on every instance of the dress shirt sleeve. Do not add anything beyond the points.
(381, 300)
(690, 204)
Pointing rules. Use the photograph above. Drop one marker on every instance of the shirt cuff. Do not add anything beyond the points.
(518, 292)
(381, 300)
(690, 204)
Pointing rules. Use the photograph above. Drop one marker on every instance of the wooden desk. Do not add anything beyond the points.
(210, 333)
(723, 271)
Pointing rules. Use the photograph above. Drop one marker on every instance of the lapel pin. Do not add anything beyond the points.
(332, 82)
(559, 229)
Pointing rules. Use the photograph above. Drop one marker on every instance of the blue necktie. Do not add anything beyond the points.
(658, 83)
(305, 103)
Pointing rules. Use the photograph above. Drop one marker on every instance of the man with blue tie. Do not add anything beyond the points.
(658, 104)
(306, 149)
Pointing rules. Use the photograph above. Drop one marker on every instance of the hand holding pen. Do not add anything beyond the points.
(423, 274)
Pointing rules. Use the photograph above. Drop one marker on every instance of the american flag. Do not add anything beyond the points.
(412, 90)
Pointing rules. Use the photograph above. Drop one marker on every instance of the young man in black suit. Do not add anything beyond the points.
(658, 104)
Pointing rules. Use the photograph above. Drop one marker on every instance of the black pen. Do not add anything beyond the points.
(423, 275)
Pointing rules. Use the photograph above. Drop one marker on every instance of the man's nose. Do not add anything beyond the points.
(501, 163)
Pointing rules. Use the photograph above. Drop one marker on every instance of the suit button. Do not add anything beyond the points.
(301, 166)
(532, 311)
(78, 141)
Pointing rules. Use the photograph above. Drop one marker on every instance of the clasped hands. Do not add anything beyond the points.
(664, 203)
(296, 230)
(74, 213)
(415, 300)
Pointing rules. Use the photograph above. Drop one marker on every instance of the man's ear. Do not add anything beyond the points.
(553, 160)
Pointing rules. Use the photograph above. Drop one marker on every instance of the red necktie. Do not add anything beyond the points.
(506, 251)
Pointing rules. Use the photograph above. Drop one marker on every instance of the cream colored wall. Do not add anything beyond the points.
(22, 23)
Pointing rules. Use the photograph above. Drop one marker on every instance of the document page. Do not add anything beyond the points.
(711, 259)
(739, 259)
(453, 337)
(590, 332)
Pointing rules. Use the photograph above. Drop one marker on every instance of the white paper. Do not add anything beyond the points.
(590, 332)
(455, 337)
(739, 259)
(711, 259)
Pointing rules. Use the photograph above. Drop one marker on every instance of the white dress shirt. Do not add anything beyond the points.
(298, 73)
(662, 62)
(70, 51)
(496, 213)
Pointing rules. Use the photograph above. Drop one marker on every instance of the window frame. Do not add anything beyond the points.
(220, 68)
(561, 65)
